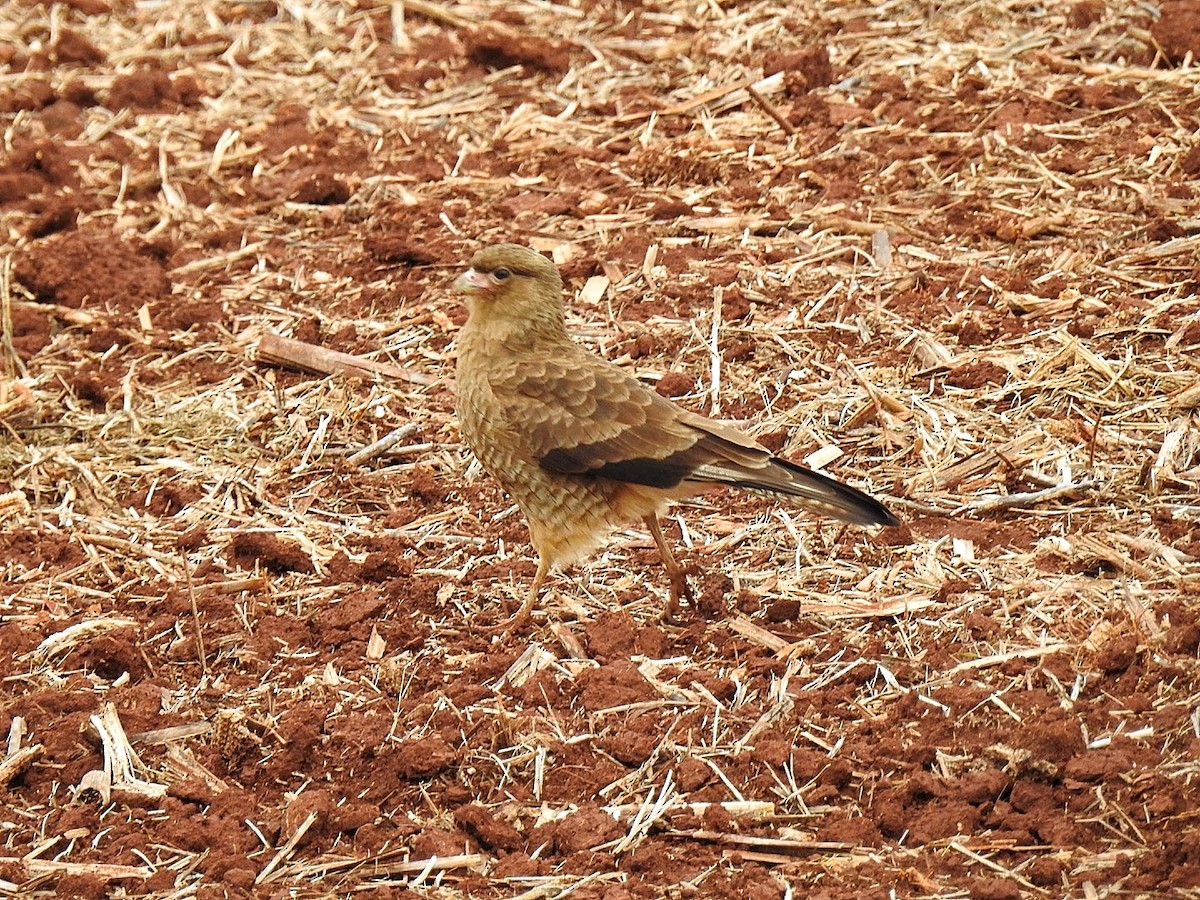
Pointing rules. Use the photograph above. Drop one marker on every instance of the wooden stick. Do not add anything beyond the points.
(764, 843)
(770, 109)
(1029, 498)
(383, 445)
(15, 763)
(286, 850)
(436, 12)
(171, 733)
(277, 350)
(104, 871)
(68, 314)
(708, 96)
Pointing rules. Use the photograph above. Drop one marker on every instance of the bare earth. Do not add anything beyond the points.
(953, 249)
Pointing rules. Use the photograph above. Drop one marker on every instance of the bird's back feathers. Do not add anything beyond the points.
(581, 415)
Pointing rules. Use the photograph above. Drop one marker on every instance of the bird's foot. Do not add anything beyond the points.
(680, 590)
(522, 618)
(516, 624)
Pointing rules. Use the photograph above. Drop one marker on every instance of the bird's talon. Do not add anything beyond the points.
(673, 614)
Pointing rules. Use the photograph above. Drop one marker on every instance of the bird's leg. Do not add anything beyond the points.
(523, 614)
(675, 572)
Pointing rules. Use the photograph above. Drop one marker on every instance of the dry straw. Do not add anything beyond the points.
(1036, 462)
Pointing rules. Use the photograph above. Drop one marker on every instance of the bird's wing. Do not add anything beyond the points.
(584, 416)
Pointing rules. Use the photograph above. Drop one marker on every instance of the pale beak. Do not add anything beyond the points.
(470, 282)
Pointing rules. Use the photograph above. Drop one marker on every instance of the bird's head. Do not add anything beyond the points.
(511, 289)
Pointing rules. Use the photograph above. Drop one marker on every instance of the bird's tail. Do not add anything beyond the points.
(810, 489)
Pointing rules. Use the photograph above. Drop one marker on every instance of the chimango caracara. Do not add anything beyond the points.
(584, 447)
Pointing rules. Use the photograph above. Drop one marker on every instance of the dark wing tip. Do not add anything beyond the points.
(885, 517)
(658, 473)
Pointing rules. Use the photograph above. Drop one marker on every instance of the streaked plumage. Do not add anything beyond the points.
(582, 446)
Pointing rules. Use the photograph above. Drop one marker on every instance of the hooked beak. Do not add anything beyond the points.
(471, 282)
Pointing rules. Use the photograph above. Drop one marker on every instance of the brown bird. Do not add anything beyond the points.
(584, 447)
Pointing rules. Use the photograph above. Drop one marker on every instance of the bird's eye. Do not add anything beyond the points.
(501, 274)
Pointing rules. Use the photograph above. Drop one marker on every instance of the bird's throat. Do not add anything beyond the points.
(494, 327)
